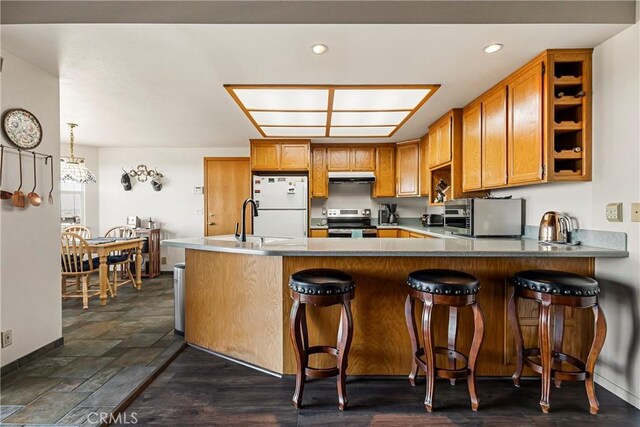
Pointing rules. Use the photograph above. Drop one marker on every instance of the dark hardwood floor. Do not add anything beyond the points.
(200, 389)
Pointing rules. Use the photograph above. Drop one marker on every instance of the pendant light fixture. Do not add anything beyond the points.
(72, 169)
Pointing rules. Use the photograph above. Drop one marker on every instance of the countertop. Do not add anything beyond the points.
(393, 247)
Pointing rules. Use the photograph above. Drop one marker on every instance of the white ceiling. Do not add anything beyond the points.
(152, 85)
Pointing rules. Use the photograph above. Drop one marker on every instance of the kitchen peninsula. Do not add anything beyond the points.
(238, 303)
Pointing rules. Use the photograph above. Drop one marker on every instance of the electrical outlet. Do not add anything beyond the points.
(635, 212)
(163, 260)
(198, 211)
(7, 338)
(614, 212)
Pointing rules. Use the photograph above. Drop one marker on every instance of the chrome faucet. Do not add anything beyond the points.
(242, 236)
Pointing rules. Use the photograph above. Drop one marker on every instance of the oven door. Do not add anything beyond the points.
(349, 232)
(457, 220)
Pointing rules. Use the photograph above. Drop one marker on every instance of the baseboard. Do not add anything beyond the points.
(24, 360)
(618, 391)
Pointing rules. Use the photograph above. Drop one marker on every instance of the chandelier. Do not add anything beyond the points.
(72, 169)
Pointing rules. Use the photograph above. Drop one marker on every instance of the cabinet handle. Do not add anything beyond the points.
(210, 213)
(212, 223)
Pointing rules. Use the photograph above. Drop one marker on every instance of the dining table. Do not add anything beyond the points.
(102, 247)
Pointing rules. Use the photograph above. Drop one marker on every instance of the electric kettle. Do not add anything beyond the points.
(554, 228)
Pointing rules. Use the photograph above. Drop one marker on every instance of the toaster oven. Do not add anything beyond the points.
(484, 217)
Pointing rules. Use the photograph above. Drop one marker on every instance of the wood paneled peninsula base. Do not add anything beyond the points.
(238, 302)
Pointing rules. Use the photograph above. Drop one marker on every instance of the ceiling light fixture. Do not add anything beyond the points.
(319, 49)
(72, 168)
(492, 48)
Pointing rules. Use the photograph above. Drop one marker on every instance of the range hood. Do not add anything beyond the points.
(355, 177)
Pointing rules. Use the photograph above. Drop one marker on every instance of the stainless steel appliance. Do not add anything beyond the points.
(383, 214)
(554, 228)
(432, 220)
(347, 222)
(351, 177)
(393, 215)
(484, 217)
(282, 206)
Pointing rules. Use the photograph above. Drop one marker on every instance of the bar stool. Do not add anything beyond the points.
(556, 289)
(453, 289)
(321, 287)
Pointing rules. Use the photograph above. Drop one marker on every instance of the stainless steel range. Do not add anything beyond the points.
(347, 222)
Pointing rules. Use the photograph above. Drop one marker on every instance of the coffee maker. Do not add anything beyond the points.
(393, 216)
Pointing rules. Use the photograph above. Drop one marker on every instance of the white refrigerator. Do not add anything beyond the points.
(282, 206)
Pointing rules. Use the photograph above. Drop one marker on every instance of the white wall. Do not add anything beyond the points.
(30, 297)
(174, 207)
(616, 178)
(91, 201)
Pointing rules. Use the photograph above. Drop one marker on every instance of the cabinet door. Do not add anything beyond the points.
(385, 185)
(424, 165)
(318, 233)
(338, 159)
(363, 158)
(265, 156)
(494, 139)
(319, 179)
(386, 232)
(472, 148)
(432, 150)
(444, 141)
(404, 233)
(407, 169)
(294, 156)
(525, 126)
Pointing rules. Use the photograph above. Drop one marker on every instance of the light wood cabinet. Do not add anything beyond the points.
(319, 178)
(363, 158)
(404, 233)
(388, 232)
(440, 142)
(525, 126)
(494, 139)
(385, 171)
(338, 159)
(472, 147)
(280, 155)
(424, 165)
(408, 168)
(318, 233)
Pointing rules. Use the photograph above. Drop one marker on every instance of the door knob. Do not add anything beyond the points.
(212, 223)
(210, 213)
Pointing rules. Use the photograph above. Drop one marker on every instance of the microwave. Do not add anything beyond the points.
(484, 217)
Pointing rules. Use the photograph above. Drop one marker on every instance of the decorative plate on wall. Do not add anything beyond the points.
(22, 128)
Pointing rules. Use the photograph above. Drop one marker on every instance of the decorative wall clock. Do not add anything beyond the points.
(22, 128)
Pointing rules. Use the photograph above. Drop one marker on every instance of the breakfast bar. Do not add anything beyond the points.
(238, 300)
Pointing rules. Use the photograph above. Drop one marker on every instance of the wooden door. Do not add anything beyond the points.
(385, 170)
(363, 158)
(319, 179)
(472, 148)
(424, 165)
(294, 156)
(227, 183)
(407, 169)
(265, 156)
(494, 139)
(444, 141)
(525, 137)
(338, 158)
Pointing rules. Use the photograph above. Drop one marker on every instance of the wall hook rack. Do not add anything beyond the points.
(142, 173)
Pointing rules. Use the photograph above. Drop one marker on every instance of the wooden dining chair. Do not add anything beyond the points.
(121, 260)
(81, 230)
(78, 263)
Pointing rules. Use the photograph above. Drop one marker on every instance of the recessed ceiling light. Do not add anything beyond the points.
(319, 49)
(492, 48)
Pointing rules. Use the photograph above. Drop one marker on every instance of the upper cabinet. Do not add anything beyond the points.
(424, 165)
(534, 126)
(280, 155)
(385, 185)
(319, 178)
(408, 168)
(351, 158)
(338, 158)
(440, 142)
(363, 158)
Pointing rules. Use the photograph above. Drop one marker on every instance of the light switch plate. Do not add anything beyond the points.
(635, 212)
(614, 212)
(198, 211)
(198, 190)
(7, 338)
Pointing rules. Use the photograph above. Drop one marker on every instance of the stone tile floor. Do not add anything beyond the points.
(108, 353)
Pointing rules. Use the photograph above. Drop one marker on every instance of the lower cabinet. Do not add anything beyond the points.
(318, 233)
(395, 232)
(388, 232)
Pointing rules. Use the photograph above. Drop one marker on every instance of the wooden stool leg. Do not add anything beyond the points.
(409, 307)
(558, 333)
(428, 352)
(295, 330)
(346, 329)
(85, 292)
(453, 335)
(514, 322)
(596, 346)
(546, 360)
(478, 335)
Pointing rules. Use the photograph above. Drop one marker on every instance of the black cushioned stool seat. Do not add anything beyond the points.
(321, 281)
(553, 291)
(556, 282)
(443, 282)
(321, 287)
(454, 290)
